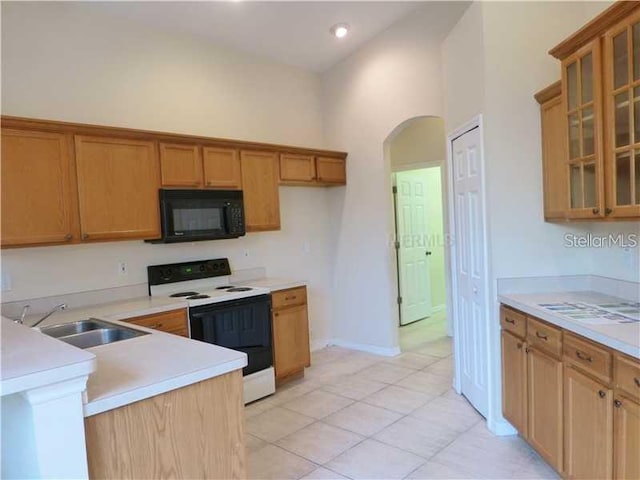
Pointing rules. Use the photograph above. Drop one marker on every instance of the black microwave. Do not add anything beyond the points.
(194, 215)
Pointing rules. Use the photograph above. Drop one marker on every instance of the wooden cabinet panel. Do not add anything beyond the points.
(297, 168)
(554, 166)
(514, 382)
(39, 196)
(587, 356)
(544, 336)
(289, 297)
(512, 321)
(627, 376)
(222, 168)
(290, 340)
(118, 183)
(544, 379)
(192, 432)
(260, 188)
(180, 165)
(626, 420)
(174, 321)
(588, 439)
(331, 170)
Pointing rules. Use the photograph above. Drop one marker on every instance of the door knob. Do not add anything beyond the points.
(428, 253)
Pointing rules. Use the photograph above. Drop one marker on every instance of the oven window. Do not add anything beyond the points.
(197, 219)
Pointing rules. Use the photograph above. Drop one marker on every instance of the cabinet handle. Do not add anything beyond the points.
(157, 325)
(527, 350)
(85, 236)
(584, 356)
(617, 403)
(602, 393)
(636, 380)
(596, 211)
(543, 337)
(519, 345)
(508, 320)
(608, 211)
(68, 237)
(276, 314)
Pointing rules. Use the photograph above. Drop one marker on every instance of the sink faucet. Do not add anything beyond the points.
(62, 306)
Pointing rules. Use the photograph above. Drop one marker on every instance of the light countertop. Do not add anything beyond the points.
(273, 283)
(624, 337)
(31, 360)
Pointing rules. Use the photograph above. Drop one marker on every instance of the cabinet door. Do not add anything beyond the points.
(622, 103)
(544, 386)
(221, 168)
(260, 189)
(581, 86)
(290, 340)
(588, 427)
(554, 165)
(514, 382)
(181, 165)
(39, 198)
(331, 170)
(626, 446)
(297, 168)
(118, 183)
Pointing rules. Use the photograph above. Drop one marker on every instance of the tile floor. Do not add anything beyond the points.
(362, 416)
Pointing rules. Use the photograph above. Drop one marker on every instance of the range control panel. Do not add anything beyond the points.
(181, 272)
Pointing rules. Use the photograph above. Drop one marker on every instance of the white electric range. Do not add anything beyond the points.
(236, 317)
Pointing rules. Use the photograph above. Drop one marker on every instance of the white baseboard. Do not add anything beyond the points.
(365, 347)
(318, 343)
(501, 427)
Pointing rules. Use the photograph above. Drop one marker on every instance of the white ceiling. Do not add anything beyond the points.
(294, 33)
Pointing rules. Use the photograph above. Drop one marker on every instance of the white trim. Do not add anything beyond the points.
(501, 427)
(450, 256)
(365, 347)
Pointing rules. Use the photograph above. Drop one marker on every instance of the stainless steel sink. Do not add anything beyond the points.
(91, 333)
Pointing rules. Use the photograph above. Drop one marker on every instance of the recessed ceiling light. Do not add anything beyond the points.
(340, 30)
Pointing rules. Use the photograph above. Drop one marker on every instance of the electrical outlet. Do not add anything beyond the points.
(122, 268)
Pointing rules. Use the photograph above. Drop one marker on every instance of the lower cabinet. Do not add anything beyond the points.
(588, 417)
(626, 441)
(174, 321)
(544, 385)
(192, 432)
(291, 353)
(579, 409)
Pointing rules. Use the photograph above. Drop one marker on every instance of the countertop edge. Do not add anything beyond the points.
(105, 404)
(584, 331)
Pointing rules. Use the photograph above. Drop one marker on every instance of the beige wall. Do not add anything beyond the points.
(59, 61)
(422, 140)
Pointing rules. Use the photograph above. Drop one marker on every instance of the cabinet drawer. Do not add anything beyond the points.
(627, 375)
(174, 322)
(290, 297)
(514, 322)
(544, 336)
(587, 356)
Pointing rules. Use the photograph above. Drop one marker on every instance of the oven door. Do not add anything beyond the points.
(243, 325)
(192, 215)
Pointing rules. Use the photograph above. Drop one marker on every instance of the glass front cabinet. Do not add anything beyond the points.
(599, 118)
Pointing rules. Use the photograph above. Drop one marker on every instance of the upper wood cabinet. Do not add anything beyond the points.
(118, 183)
(222, 168)
(180, 165)
(260, 175)
(313, 171)
(595, 172)
(39, 198)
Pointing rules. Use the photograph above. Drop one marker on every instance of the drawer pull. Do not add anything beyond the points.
(508, 320)
(541, 336)
(617, 403)
(290, 298)
(527, 350)
(636, 380)
(584, 356)
(519, 345)
(602, 393)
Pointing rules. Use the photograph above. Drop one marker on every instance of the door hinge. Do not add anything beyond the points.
(397, 245)
(394, 189)
(399, 300)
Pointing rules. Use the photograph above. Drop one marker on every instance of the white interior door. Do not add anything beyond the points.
(413, 259)
(470, 277)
